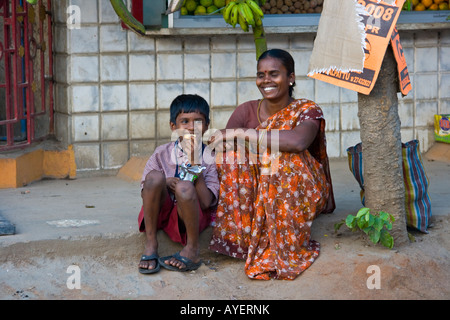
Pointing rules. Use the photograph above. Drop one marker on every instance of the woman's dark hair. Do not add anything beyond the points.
(188, 103)
(285, 58)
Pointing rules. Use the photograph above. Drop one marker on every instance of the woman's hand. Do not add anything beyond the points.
(217, 137)
(216, 140)
(233, 139)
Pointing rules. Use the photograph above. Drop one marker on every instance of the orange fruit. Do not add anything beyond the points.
(438, 1)
(427, 3)
(434, 6)
(420, 7)
(443, 6)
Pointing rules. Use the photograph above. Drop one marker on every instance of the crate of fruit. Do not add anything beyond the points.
(207, 7)
(292, 13)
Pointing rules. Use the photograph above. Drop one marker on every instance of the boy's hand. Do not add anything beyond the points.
(192, 146)
(199, 177)
(171, 182)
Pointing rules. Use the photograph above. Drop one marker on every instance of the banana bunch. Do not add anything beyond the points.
(244, 12)
(127, 18)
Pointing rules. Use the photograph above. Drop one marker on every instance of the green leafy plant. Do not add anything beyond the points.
(376, 226)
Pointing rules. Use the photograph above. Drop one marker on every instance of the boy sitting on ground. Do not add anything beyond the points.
(180, 207)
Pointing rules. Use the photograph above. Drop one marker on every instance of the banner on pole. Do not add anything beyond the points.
(379, 21)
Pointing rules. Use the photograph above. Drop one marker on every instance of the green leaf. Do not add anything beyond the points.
(350, 221)
(338, 225)
(374, 235)
(378, 223)
(388, 225)
(367, 230)
(384, 215)
(386, 239)
(362, 212)
(392, 218)
(362, 223)
(371, 220)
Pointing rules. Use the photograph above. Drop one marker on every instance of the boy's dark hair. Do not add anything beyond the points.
(285, 58)
(188, 103)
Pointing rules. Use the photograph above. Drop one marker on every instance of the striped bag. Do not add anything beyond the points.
(417, 200)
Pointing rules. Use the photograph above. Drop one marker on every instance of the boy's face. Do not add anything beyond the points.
(193, 122)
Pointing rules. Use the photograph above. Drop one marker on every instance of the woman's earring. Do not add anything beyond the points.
(290, 83)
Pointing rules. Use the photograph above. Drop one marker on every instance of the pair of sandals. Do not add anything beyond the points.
(189, 265)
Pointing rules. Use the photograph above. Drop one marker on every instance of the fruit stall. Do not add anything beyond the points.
(202, 7)
(288, 16)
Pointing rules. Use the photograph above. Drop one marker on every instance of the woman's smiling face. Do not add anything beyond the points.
(272, 78)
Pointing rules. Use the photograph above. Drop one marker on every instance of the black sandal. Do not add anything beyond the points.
(150, 258)
(189, 264)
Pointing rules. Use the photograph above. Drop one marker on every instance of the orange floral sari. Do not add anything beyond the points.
(266, 218)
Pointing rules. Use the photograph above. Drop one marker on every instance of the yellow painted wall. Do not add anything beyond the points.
(35, 165)
(132, 170)
(59, 164)
(29, 167)
(8, 169)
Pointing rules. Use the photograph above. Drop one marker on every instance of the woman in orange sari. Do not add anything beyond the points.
(269, 198)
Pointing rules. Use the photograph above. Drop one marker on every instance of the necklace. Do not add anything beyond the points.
(258, 110)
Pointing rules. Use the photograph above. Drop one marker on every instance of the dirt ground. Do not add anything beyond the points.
(348, 267)
(418, 270)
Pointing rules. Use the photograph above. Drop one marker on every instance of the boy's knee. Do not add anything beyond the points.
(154, 179)
(185, 190)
